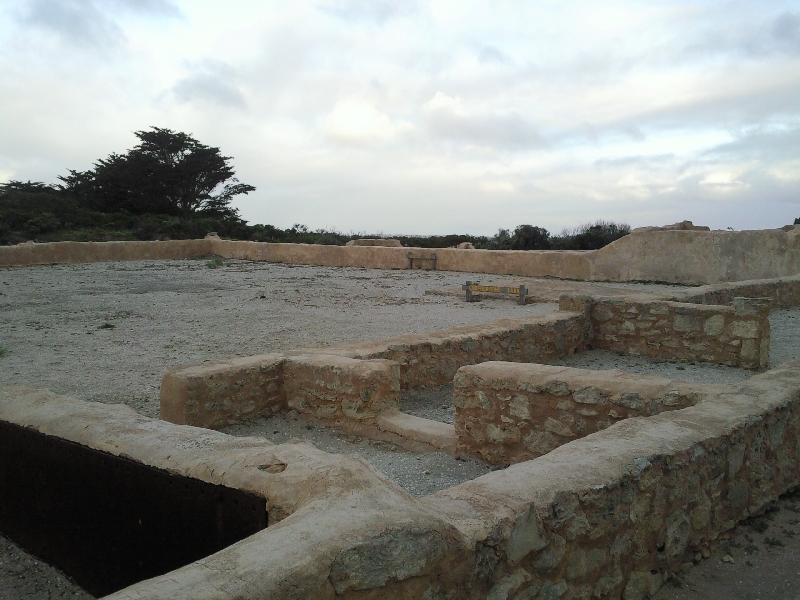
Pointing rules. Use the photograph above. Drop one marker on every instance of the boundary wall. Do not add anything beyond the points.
(612, 514)
(675, 256)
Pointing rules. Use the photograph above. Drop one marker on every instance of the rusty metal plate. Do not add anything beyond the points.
(107, 521)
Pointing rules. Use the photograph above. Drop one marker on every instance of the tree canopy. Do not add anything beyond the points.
(168, 172)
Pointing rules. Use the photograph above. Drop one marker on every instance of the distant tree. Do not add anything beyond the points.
(590, 236)
(797, 221)
(167, 173)
(528, 237)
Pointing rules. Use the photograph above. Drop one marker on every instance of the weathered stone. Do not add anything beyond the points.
(677, 532)
(630, 400)
(554, 426)
(714, 325)
(589, 395)
(686, 323)
(582, 562)
(744, 329)
(508, 584)
(396, 554)
(520, 407)
(551, 556)
(526, 536)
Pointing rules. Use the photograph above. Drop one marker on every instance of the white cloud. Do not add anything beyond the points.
(358, 122)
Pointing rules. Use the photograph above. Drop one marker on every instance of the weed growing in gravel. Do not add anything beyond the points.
(214, 263)
(774, 542)
(107, 326)
(759, 525)
(3, 352)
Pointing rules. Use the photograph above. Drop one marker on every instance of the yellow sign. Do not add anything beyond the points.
(494, 289)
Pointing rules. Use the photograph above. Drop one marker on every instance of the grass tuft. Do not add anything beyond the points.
(214, 263)
(107, 326)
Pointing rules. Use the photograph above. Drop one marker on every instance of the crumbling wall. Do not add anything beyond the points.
(614, 513)
(360, 380)
(735, 335)
(611, 514)
(511, 412)
(679, 256)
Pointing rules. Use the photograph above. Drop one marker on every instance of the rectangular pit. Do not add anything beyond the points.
(109, 521)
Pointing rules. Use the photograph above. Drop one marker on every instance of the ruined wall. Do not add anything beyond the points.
(511, 412)
(360, 380)
(614, 513)
(692, 257)
(783, 292)
(23, 255)
(699, 257)
(611, 514)
(730, 335)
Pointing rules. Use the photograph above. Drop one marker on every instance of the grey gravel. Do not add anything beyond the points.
(419, 474)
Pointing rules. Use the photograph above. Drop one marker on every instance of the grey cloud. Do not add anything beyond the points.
(490, 54)
(761, 143)
(86, 22)
(76, 21)
(502, 132)
(211, 82)
(377, 11)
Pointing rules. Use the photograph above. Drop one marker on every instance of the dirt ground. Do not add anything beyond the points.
(106, 331)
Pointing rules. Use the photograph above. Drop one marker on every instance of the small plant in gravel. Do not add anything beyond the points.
(214, 263)
(759, 525)
(751, 549)
(774, 542)
(3, 352)
(107, 326)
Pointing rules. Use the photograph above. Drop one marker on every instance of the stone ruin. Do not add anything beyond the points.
(611, 480)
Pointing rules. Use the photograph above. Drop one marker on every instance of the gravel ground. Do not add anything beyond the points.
(23, 576)
(105, 331)
(143, 316)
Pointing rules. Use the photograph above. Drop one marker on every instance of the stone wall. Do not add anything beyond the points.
(730, 335)
(783, 292)
(611, 514)
(332, 388)
(360, 380)
(511, 412)
(691, 257)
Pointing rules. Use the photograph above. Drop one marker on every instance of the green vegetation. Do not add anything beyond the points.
(3, 352)
(170, 186)
(215, 262)
(106, 326)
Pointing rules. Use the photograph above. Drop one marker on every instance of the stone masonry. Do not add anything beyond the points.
(511, 412)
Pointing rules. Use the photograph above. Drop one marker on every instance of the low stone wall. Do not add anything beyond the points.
(691, 257)
(730, 335)
(433, 359)
(783, 292)
(611, 514)
(360, 380)
(216, 394)
(331, 388)
(511, 412)
(23, 255)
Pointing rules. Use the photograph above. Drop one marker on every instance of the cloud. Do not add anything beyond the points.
(211, 82)
(357, 122)
(446, 118)
(490, 54)
(78, 22)
(375, 11)
(88, 23)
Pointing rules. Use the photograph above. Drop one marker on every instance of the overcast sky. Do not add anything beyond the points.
(426, 117)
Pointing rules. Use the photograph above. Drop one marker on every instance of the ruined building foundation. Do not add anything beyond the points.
(611, 480)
